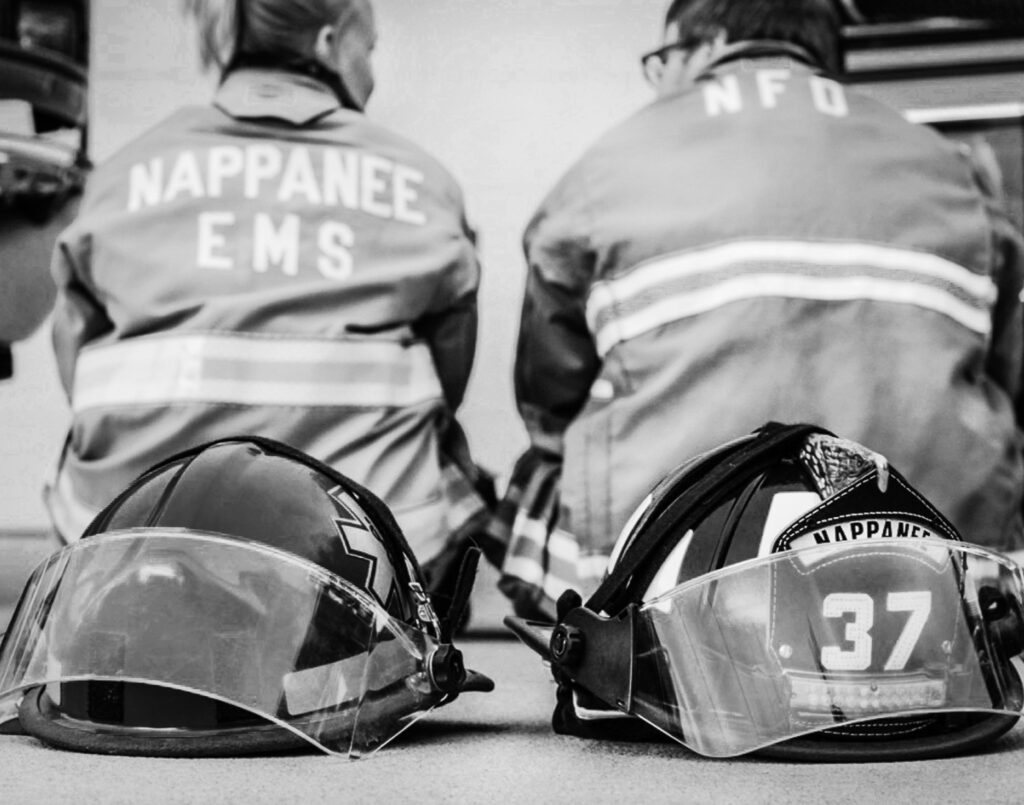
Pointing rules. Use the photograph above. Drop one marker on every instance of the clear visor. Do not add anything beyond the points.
(239, 623)
(811, 640)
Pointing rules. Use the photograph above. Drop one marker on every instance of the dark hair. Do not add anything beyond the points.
(281, 29)
(813, 25)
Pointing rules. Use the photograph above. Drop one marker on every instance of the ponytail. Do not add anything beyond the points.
(217, 27)
(266, 30)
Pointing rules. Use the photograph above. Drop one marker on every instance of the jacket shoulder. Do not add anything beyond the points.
(355, 128)
(170, 128)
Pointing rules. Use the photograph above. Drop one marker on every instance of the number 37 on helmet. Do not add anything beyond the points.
(790, 593)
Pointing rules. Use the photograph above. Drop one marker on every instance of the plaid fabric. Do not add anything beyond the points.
(542, 559)
(469, 492)
(468, 509)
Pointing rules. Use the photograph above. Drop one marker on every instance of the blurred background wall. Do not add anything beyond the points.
(507, 93)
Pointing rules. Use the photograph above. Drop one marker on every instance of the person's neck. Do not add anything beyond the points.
(758, 48)
(308, 67)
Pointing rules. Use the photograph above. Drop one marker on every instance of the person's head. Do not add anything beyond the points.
(696, 31)
(335, 35)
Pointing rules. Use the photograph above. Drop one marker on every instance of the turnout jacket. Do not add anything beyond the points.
(272, 264)
(767, 245)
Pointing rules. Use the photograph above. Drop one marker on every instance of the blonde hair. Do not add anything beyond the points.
(285, 29)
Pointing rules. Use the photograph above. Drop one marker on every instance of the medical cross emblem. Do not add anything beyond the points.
(366, 563)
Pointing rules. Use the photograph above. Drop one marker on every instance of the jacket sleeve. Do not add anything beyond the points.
(1005, 360)
(556, 361)
(78, 315)
(26, 290)
(449, 327)
(1006, 355)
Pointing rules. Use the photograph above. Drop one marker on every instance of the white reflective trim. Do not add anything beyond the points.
(552, 442)
(592, 567)
(462, 503)
(674, 308)
(788, 285)
(523, 568)
(760, 252)
(764, 280)
(563, 545)
(559, 570)
(627, 529)
(602, 389)
(530, 531)
(70, 515)
(785, 508)
(529, 572)
(668, 574)
(253, 370)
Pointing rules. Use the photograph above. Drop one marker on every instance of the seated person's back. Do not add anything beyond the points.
(759, 244)
(274, 264)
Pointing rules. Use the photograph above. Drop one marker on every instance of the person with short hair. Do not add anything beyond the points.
(760, 243)
(274, 264)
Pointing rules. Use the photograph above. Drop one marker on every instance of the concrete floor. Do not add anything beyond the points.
(494, 747)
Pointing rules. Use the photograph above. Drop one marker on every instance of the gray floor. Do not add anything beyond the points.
(496, 747)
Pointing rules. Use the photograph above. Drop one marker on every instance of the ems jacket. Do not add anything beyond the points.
(770, 246)
(274, 265)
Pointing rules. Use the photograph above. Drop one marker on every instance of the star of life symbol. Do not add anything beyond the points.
(367, 564)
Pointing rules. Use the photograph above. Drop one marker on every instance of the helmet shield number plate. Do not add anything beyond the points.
(809, 640)
(236, 622)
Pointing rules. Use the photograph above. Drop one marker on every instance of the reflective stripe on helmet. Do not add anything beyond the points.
(678, 286)
(254, 370)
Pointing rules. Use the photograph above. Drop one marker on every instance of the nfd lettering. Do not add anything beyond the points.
(727, 95)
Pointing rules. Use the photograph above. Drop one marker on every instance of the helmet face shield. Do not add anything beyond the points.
(818, 640)
(790, 593)
(255, 634)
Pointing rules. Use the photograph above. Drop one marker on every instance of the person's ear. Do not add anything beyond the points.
(323, 48)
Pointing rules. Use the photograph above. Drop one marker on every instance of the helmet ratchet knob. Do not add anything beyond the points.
(566, 645)
(446, 669)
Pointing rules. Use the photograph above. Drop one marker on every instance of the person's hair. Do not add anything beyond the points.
(285, 30)
(813, 25)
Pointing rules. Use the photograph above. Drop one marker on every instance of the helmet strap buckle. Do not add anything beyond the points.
(597, 653)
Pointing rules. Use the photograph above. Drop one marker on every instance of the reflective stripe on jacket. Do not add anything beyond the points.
(253, 369)
(768, 245)
(271, 265)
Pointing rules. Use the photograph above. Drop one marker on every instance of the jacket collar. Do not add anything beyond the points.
(761, 49)
(250, 93)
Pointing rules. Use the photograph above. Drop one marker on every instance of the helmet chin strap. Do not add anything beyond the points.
(460, 596)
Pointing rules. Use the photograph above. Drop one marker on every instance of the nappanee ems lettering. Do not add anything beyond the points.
(330, 178)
